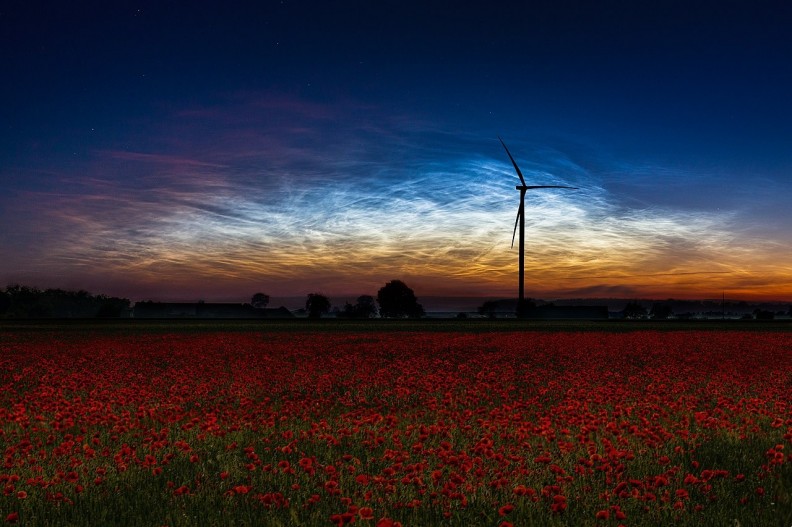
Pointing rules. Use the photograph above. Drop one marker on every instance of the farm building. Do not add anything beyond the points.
(550, 312)
(205, 310)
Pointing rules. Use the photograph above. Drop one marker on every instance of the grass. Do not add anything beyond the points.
(301, 325)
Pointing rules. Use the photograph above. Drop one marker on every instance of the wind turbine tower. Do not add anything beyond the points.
(523, 188)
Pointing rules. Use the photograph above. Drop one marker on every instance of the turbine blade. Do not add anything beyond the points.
(519, 211)
(550, 186)
(522, 180)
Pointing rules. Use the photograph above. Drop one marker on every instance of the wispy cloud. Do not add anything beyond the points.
(302, 202)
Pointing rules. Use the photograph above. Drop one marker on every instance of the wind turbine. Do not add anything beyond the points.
(521, 220)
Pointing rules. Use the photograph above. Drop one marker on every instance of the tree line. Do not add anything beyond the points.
(394, 300)
(17, 301)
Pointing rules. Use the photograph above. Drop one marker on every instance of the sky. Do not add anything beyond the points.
(209, 150)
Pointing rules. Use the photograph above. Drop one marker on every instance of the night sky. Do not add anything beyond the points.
(185, 150)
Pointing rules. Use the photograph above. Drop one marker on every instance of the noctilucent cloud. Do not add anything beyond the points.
(184, 150)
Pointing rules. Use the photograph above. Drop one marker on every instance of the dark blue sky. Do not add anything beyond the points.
(176, 150)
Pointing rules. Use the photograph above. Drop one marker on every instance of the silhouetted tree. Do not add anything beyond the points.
(260, 300)
(396, 300)
(31, 302)
(525, 307)
(488, 308)
(661, 311)
(317, 305)
(5, 302)
(634, 310)
(365, 307)
(790, 310)
(23, 299)
(762, 314)
(112, 307)
(348, 311)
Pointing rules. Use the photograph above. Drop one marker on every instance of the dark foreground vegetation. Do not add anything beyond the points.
(306, 325)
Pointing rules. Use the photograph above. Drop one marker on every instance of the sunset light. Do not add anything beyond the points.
(276, 163)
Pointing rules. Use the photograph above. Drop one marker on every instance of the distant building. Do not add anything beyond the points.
(205, 310)
(552, 312)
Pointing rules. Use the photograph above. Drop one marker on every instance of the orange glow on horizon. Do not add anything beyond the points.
(191, 231)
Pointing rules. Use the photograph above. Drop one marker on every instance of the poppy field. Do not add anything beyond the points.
(385, 428)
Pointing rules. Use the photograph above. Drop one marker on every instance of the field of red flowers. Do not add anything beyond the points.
(410, 428)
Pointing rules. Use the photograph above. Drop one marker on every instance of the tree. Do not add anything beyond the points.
(365, 307)
(634, 310)
(23, 300)
(488, 308)
(260, 300)
(317, 304)
(112, 307)
(526, 306)
(396, 300)
(5, 302)
(762, 314)
(30, 302)
(661, 311)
